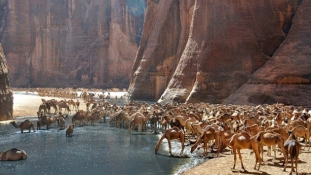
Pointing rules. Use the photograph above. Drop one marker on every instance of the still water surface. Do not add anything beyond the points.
(92, 150)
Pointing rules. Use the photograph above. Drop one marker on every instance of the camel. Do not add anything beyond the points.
(79, 116)
(45, 120)
(13, 154)
(172, 134)
(51, 103)
(64, 105)
(224, 138)
(69, 130)
(206, 136)
(61, 119)
(94, 118)
(292, 147)
(243, 140)
(43, 108)
(301, 131)
(24, 125)
(72, 103)
(138, 119)
(121, 116)
(265, 138)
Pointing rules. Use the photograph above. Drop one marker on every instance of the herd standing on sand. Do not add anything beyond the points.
(214, 126)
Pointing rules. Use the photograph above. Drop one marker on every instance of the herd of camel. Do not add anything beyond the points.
(211, 126)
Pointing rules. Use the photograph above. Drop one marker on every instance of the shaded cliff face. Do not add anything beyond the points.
(286, 77)
(226, 42)
(6, 95)
(71, 43)
(166, 31)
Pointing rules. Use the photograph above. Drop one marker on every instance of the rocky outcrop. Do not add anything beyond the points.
(286, 77)
(6, 95)
(223, 44)
(71, 43)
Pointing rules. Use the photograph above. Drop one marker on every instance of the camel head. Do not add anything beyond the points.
(193, 148)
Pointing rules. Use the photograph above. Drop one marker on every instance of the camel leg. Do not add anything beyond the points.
(158, 144)
(169, 146)
(296, 162)
(182, 140)
(240, 157)
(274, 149)
(234, 153)
(261, 150)
(292, 168)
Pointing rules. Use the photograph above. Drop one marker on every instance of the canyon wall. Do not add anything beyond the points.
(71, 43)
(286, 77)
(6, 95)
(211, 49)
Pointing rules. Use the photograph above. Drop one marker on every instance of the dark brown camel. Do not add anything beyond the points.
(292, 147)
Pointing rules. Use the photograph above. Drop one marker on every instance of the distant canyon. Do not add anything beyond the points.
(230, 52)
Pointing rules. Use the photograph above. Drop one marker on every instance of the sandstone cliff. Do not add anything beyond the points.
(286, 77)
(71, 43)
(209, 54)
(6, 96)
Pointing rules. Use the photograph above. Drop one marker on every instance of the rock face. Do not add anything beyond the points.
(71, 43)
(166, 31)
(212, 48)
(286, 77)
(6, 96)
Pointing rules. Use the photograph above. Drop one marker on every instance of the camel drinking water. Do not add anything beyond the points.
(172, 134)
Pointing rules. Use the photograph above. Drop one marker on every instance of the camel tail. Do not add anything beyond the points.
(292, 151)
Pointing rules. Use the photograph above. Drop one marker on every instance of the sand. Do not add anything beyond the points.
(223, 164)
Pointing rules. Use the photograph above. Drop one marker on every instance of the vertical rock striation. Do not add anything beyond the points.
(286, 77)
(166, 31)
(71, 43)
(223, 44)
(6, 96)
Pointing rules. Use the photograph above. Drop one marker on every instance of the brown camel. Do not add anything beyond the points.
(225, 138)
(69, 130)
(138, 119)
(301, 131)
(64, 105)
(13, 154)
(94, 118)
(172, 134)
(51, 103)
(24, 125)
(45, 120)
(43, 108)
(243, 140)
(61, 119)
(292, 147)
(265, 138)
(80, 117)
(206, 136)
(72, 103)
